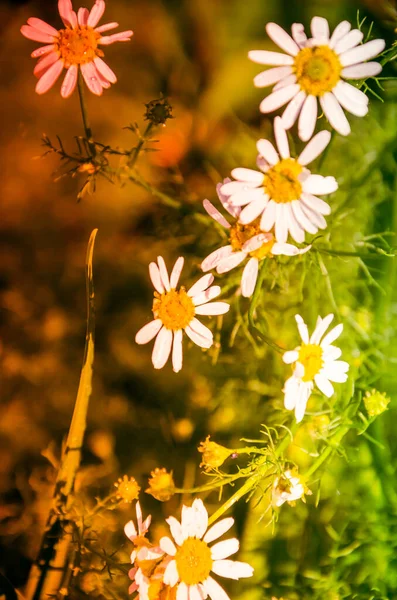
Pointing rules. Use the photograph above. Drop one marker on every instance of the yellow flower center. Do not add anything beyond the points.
(239, 234)
(311, 357)
(193, 561)
(174, 309)
(78, 46)
(317, 70)
(281, 181)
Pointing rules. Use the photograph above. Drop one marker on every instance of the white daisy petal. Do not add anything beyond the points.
(355, 108)
(182, 592)
(284, 249)
(213, 308)
(177, 353)
(257, 241)
(200, 518)
(334, 113)
(353, 38)
(271, 76)
(249, 175)
(267, 150)
(198, 339)
(264, 57)
(339, 32)
(293, 109)
(148, 332)
(304, 391)
(307, 118)
(314, 148)
(286, 81)
(253, 209)
(302, 218)
(269, 216)
(321, 328)
(209, 294)
(281, 138)
(245, 197)
(218, 529)
(332, 335)
(281, 229)
(230, 262)
(352, 92)
(167, 546)
(235, 187)
(215, 257)
(176, 272)
(214, 590)
(202, 284)
(369, 69)
(224, 549)
(331, 353)
(316, 204)
(232, 569)
(302, 328)
(282, 39)
(155, 277)
(176, 530)
(319, 28)
(314, 217)
(162, 348)
(130, 530)
(163, 273)
(290, 393)
(249, 277)
(215, 214)
(317, 184)
(290, 356)
(324, 385)
(298, 34)
(362, 53)
(277, 99)
(201, 329)
(194, 593)
(335, 373)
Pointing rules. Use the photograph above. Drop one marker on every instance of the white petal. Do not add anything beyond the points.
(224, 199)
(296, 231)
(282, 39)
(362, 53)
(177, 354)
(163, 273)
(355, 108)
(194, 592)
(213, 308)
(302, 218)
(224, 549)
(162, 348)
(253, 210)
(369, 69)
(290, 356)
(314, 148)
(209, 294)
(235, 187)
(351, 39)
(148, 332)
(314, 217)
(316, 204)
(197, 338)
(354, 93)
(307, 118)
(218, 529)
(130, 530)
(155, 278)
(269, 216)
(248, 175)
(324, 385)
(171, 575)
(284, 249)
(293, 109)
(182, 592)
(176, 272)
(257, 241)
(321, 328)
(332, 335)
(199, 519)
(249, 277)
(319, 28)
(284, 82)
(214, 590)
(334, 113)
(267, 150)
(290, 393)
(331, 353)
(298, 33)
(334, 372)
(245, 197)
(176, 530)
(167, 546)
(339, 32)
(271, 76)
(215, 257)
(264, 57)
(281, 138)
(281, 228)
(202, 284)
(230, 262)
(302, 327)
(232, 569)
(277, 99)
(305, 389)
(215, 214)
(317, 184)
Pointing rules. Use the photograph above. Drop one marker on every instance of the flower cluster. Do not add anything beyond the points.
(182, 567)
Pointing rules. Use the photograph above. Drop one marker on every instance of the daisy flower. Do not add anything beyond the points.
(73, 48)
(315, 69)
(193, 560)
(314, 361)
(283, 193)
(246, 241)
(289, 487)
(175, 311)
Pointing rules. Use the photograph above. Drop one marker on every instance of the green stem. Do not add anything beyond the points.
(84, 114)
(383, 463)
(253, 305)
(142, 140)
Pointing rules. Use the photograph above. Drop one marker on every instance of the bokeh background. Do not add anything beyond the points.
(196, 54)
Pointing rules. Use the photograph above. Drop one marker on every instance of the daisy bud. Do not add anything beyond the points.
(158, 111)
(214, 455)
(161, 485)
(375, 402)
(127, 489)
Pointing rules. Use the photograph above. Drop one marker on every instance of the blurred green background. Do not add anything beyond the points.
(196, 54)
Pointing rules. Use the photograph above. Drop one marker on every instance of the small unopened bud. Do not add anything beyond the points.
(158, 111)
(214, 455)
(127, 489)
(375, 402)
(161, 485)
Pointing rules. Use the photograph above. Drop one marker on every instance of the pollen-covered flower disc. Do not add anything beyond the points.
(313, 70)
(175, 311)
(246, 242)
(193, 559)
(283, 194)
(77, 46)
(315, 361)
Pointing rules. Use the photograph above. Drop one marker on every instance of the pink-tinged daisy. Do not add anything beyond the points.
(175, 311)
(193, 560)
(73, 48)
(314, 69)
(314, 361)
(246, 242)
(283, 193)
(288, 487)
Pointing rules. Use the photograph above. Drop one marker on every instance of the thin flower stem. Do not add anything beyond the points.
(84, 114)
(253, 305)
(139, 146)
